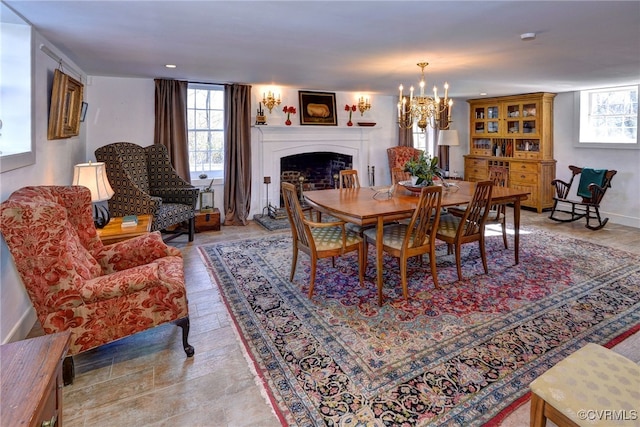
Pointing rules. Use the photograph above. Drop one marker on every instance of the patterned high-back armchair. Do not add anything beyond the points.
(99, 293)
(145, 182)
(399, 155)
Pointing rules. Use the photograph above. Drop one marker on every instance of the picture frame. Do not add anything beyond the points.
(66, 103)
(318, 108)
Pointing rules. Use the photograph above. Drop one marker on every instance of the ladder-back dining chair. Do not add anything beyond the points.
(318, 239)
(398, 175)
(456, 230)
(499, 175)
(404, 241)
(349, 179)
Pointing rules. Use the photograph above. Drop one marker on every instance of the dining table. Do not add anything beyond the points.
(375, 206)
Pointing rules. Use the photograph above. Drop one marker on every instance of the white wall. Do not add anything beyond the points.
(622, 201)
(120, 109)
(54, 166)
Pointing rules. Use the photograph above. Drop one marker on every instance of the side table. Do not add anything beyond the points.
(32, 380)
(113, 232)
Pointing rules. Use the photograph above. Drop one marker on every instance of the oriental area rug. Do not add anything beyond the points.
(462, 355)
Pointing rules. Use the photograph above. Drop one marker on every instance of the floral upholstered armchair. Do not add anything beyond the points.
(99, 293)
(145, 182)
(398, 156)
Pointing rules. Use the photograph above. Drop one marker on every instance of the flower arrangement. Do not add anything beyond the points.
(289, 110)
(350, 109)
(424, 168)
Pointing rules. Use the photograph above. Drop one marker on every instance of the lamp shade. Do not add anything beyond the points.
(94, 177)
(448, 137)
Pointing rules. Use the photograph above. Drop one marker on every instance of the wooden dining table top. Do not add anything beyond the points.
(365, 205)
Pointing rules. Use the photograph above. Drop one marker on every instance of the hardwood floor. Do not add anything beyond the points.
(146, 379)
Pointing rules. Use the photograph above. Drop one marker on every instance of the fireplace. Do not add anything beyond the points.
(277, 142)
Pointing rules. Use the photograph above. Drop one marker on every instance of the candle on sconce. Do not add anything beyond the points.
(446, 90)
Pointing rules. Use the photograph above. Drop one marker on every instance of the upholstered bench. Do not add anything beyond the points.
(594, 386)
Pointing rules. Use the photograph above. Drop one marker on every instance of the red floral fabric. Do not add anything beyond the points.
(399, 155)
(100, 293)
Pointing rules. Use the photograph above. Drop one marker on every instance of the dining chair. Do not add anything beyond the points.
(456, 230)
(499, 175)
(398, 175)
(349, 179)
(404, 241)
(318, 239)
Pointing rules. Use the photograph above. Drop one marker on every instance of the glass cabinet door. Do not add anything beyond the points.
(521, 118)
(485, 119)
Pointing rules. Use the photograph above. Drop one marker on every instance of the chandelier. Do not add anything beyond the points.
(425, 110)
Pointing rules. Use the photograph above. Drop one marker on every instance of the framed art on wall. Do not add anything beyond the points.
(66, 102)
(318, 108)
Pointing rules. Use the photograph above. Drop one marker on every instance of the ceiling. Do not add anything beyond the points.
(361, 46)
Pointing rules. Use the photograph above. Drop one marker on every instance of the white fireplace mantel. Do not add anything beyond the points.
(275, 142)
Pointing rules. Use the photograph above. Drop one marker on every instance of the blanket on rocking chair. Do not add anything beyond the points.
(587, 177)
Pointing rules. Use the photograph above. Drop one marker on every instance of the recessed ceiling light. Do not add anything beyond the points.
(528, 36)
(483, 93)
(170, 66)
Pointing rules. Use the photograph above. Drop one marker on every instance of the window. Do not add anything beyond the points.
(609, 117)
(17, 147)
(205, 125)
(424, 140)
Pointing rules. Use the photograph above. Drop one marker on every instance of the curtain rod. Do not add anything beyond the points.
(60, 61)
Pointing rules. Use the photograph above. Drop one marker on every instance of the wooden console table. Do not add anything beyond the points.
(32, 381)
(113, 232)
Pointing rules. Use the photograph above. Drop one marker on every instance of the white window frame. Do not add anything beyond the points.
(586, 131)
(216, 175)
(424, 139)
(17, 94)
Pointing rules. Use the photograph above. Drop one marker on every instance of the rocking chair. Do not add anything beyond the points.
(591, 188)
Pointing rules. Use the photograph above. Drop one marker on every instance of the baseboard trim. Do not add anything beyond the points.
(22, 328)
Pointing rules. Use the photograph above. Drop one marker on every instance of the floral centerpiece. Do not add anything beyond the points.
(350, 109)
(289, 110)
(424, 168)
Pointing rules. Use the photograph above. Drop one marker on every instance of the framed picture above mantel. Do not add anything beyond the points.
(318, 108)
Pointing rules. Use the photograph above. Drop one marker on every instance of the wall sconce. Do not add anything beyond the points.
(363, 105)
(270, 100)
(94, 177)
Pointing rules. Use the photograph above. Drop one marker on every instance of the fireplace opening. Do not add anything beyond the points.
(313, 171)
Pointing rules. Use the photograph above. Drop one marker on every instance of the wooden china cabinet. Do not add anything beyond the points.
(515, 132)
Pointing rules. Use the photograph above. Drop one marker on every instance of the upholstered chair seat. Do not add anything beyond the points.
(594, 386)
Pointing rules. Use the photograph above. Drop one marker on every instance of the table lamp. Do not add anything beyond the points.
(94, 177)
(447, 138)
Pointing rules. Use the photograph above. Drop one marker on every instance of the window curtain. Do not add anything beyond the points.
(237, 154)
(405, 136)
(171, 123)
(442, 150)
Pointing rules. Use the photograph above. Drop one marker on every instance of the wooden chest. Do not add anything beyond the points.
(209, 221)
